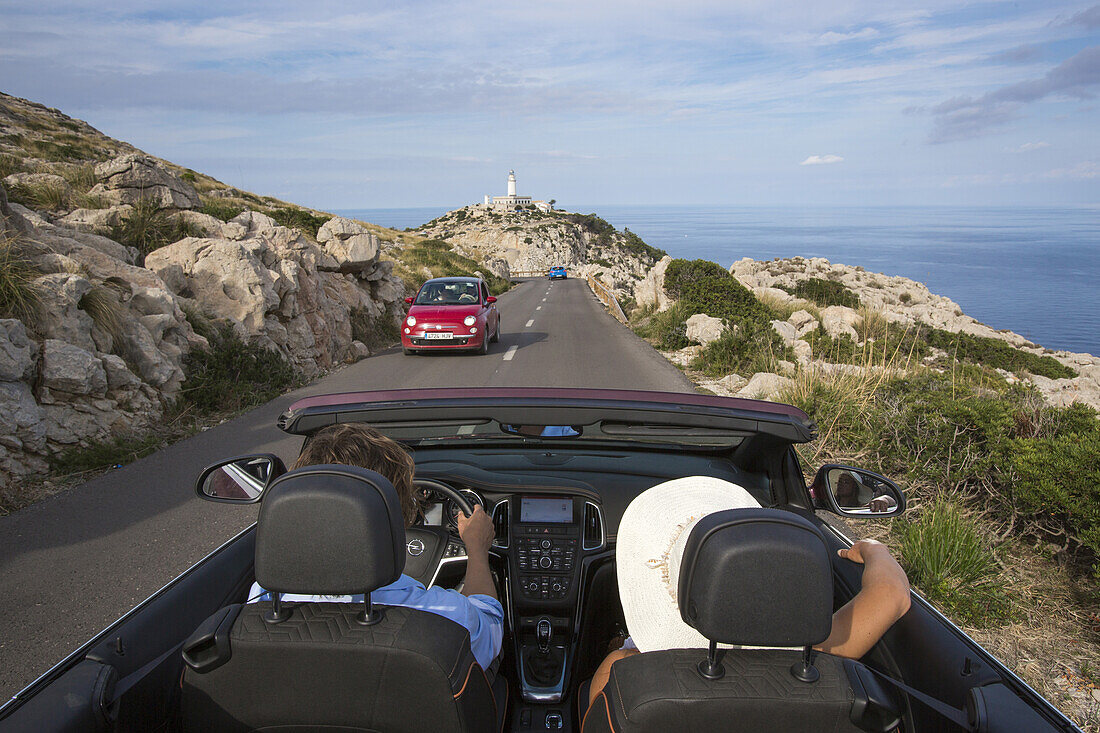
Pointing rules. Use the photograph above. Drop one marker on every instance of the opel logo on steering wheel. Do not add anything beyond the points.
(415, 547)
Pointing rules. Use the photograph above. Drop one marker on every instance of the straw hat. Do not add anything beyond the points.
(649, 546)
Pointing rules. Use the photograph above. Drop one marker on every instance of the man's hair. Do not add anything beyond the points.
(353, 444)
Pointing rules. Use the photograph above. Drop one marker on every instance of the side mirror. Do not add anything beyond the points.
(409, 299)
(239, 480)
(491, 299)
(855, 492)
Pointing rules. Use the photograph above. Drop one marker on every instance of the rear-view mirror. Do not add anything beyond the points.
(239, 480)
(855, 492)
(543, 431)
(409, 299)
(491, 299)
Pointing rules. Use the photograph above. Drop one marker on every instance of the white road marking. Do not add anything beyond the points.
(539, 308)
(511, 352)
(544, 300)
(530, 323)
(466, 430)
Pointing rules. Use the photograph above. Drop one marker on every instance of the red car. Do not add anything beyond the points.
(451, 313)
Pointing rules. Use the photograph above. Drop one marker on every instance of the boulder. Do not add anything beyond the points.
(353, 247)
(17, 351)
(803, 322)
(802, 351)
(60, 316)
(764, 386)
(733, 383)
(785, 330)
(68, 368)
(38, 179)
(703, 329)
(119, 376)
(21, 417)
(357, 351)
(253, 221)
(650, 290)
(838, 320)
(227, 278)
(133, 177)
(94, 220)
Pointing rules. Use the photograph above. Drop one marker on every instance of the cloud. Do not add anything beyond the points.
(965, 117)
(1028, 147)
(822, 160)
(830, 37)
(1018, 55)
(1089, 18)
(1085, 170)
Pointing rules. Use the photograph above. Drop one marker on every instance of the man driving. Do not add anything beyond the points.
(477, 607)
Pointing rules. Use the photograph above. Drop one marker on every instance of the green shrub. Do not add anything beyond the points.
(299, 219)
(997, 354)
(752, 347)
(220, 209)
(824, 293)
(232, 375)
(377, 332)
(189, 176)
(110, 453)
(102, 305)
(666, 328)
(705, 287)
(19, 295)
(149, 227)
(945, 556)
(45, 196)
(200, 324)
(440, 260)
(10, 164)
(633, 243)
(1058, 478)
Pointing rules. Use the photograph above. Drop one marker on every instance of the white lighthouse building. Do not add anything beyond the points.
(513, 200)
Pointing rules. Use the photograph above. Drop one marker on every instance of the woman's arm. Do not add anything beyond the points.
(883, 599)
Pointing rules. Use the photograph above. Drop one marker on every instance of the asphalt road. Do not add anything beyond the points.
(72, 564)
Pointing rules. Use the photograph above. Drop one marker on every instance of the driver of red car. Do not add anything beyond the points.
(477, 607)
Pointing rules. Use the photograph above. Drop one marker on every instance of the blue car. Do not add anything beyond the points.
(557, 272)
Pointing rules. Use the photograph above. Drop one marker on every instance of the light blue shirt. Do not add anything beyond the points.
(481, 615)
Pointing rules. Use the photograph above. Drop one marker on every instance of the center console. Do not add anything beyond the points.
(548, 537)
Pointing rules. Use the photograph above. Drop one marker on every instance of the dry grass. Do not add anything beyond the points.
(102, 305)
(19, 296)
(784, 309)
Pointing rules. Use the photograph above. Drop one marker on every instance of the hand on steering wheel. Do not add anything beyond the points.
(425, 546)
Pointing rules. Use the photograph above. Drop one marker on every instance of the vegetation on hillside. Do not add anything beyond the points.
(430, 258)
(824, 293)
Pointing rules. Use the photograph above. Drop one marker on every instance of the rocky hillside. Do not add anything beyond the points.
(531, 240)
(113, 264)
(894, 300)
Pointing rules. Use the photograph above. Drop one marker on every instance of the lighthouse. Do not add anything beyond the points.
(513, 201)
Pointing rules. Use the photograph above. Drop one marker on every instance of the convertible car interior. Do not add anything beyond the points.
(555, 470)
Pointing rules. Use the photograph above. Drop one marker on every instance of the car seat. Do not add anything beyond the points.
(757, 577)
(333, 666)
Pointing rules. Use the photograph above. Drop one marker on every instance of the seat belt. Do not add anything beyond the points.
(125, 684)
(956, 716)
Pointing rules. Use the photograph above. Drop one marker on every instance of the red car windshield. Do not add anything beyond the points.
(448, 293)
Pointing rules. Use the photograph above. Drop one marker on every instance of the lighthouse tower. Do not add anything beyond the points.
(512, 183)
(513, 201)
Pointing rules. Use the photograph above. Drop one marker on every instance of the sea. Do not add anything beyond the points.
(1035, 271)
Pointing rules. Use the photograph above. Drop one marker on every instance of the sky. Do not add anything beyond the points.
(723, 102)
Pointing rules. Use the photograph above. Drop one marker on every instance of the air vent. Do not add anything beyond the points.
(500, 523)
(594, 537)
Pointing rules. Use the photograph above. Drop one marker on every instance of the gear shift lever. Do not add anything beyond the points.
(543, 632)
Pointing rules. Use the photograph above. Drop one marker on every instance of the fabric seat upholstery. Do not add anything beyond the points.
(748, 576)
(332, 530)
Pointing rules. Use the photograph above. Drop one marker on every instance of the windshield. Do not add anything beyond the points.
(447, 293)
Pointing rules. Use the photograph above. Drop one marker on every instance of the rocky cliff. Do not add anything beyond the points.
(108, 257)
(534, 241)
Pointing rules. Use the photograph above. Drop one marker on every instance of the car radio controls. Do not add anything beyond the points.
(545, 562)
(546, 544)
(544, 587)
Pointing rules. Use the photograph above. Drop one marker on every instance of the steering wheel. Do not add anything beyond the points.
(425, 546)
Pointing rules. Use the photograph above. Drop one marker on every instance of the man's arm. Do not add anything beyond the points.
(884, 598)
(477, 533)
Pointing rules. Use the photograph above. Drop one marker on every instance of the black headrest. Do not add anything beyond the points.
(757, 576)
(329, 530)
